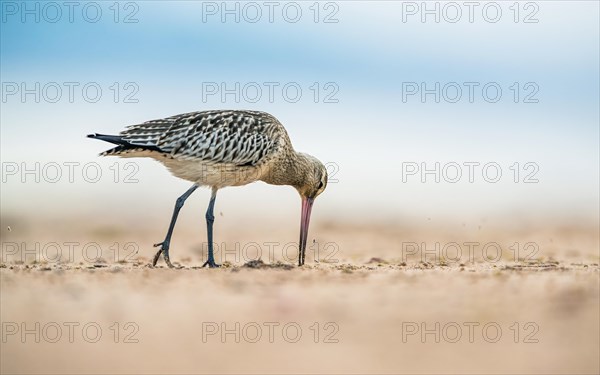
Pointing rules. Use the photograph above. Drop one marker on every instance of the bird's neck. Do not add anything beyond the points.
(289, 169)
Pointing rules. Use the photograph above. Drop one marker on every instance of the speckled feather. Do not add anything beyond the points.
(232, 137)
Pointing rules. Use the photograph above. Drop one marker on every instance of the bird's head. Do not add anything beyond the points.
(314, 179)
(313, 183)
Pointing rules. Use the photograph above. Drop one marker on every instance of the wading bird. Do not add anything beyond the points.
(219, 149)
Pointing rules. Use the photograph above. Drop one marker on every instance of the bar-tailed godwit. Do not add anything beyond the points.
(219, 149)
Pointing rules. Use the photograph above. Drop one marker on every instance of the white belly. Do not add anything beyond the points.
(204, 173)
(215, 175)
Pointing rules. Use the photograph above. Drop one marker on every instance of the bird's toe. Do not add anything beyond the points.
(211, 264)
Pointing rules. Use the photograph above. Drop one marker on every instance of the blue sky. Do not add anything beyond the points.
(170, 52)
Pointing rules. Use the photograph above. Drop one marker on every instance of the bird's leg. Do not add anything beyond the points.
(164, 246)
(210, 219)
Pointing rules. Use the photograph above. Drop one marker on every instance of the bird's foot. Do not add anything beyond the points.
(211, 264)
(164, 249)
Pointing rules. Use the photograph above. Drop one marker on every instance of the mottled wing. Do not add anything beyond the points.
(149, 132)
(235, 137)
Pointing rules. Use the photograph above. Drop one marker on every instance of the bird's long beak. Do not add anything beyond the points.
(307, 204)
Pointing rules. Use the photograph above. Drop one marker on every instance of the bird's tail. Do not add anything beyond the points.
(123, 145)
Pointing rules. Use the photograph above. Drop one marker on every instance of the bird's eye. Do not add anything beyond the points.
(320, 185)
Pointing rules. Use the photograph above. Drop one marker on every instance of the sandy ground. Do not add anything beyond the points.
(369, 302)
